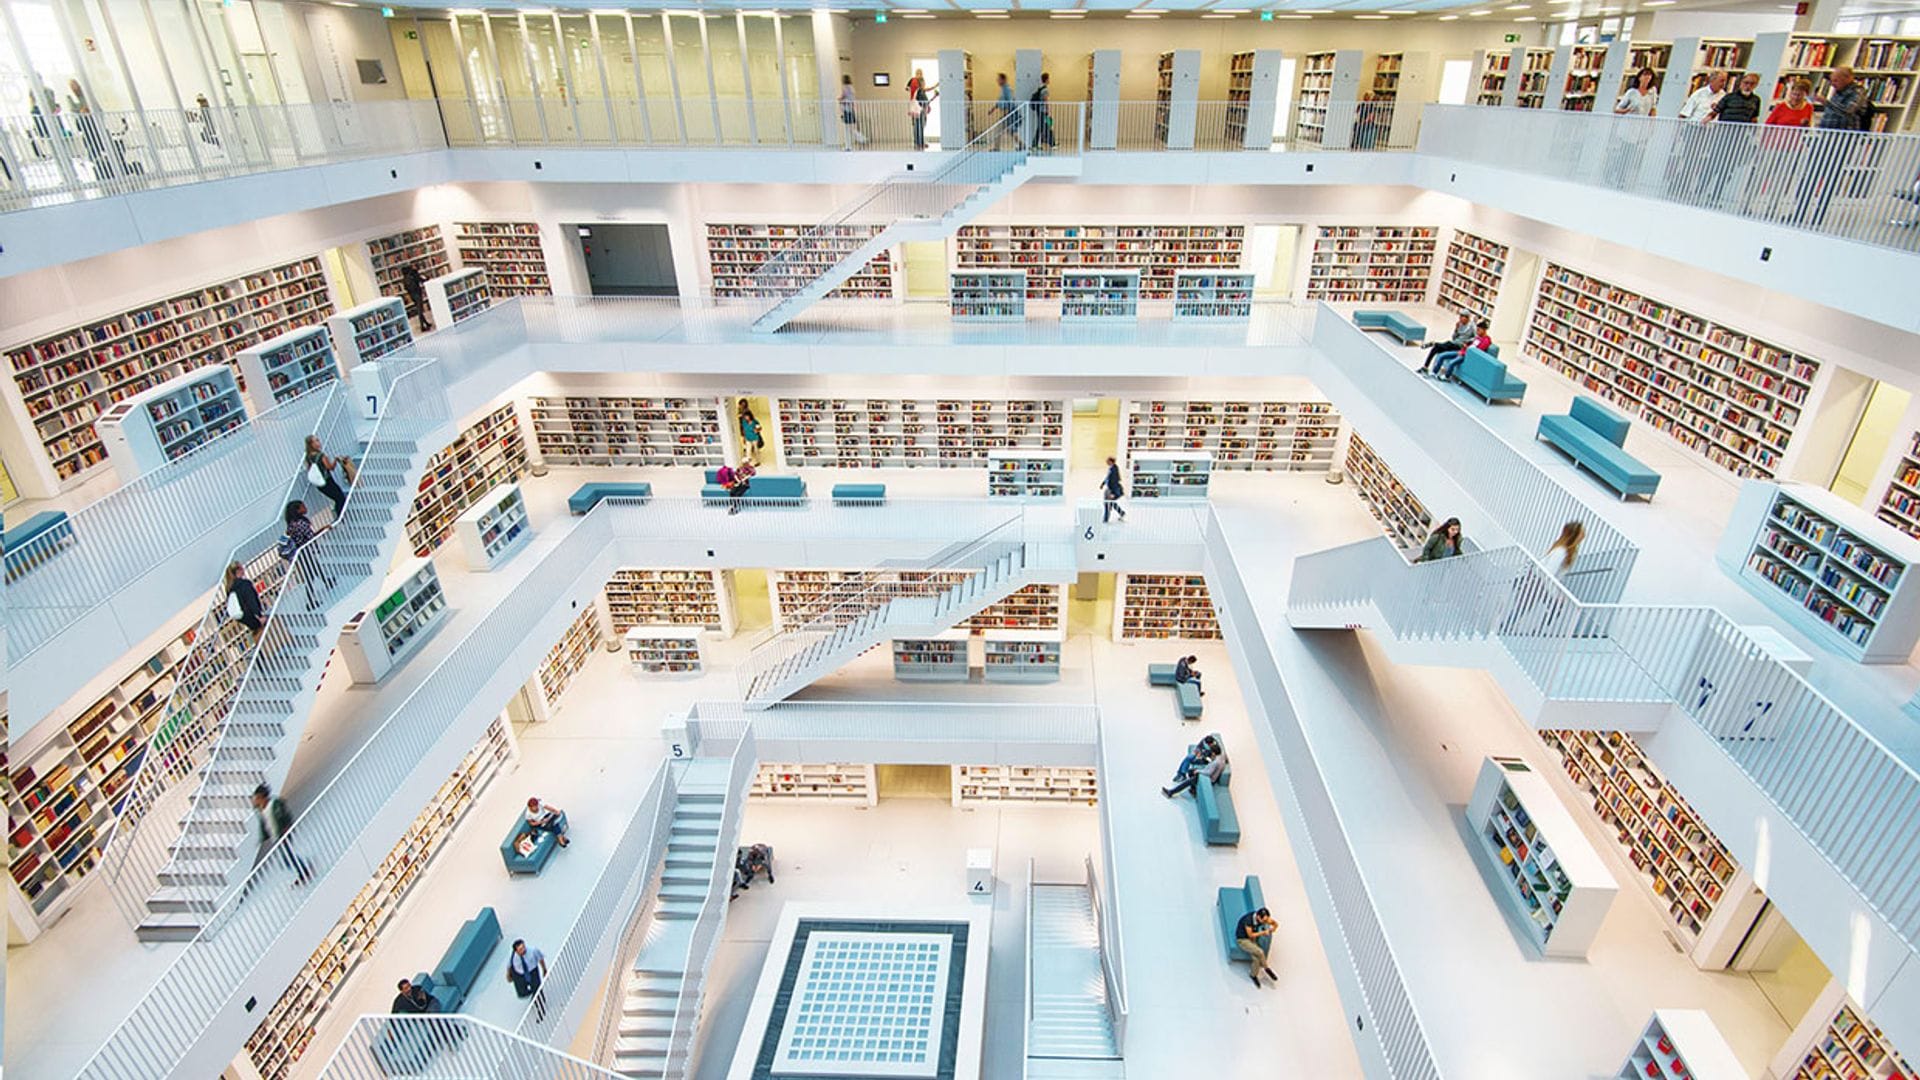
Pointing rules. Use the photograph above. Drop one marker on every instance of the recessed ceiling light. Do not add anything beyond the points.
(1665, 3)
(1066, 14)
(991, 15)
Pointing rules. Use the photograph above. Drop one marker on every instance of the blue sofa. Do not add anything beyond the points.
(1229, 905)
(1409, 331)
(544, 845)
(1185, 695)
(1592, 434)
(459, 968)
(1219, 824)
(1484, 374)
(35, 540)
(859, 494)
(590, 495)
(761, 487)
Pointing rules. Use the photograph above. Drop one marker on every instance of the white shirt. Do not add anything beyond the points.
(1635, 103)
(1700, 103)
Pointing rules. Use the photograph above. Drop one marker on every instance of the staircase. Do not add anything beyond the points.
(791, 658)
(909, 207)
(183, 846)
(1068, 1015)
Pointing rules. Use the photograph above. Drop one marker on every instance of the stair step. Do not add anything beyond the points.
(172, 926)
(183, 898)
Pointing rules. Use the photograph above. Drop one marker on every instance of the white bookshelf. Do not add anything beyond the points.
(840, 783)
(1176, 95)
(1274, 436)
(1681, 1044)
(916, 432)
(1211, 296)
(1885, 64)
(1253, 84)
(1838, 572)
(1026, 474)
(1046, 252)
(615, 430)
(1170, 474)
(1470, 278)
(458, 296)
(370, 331)
(662, 651)
(1402, 517)
(1021, 656)
(1583, 78)
(487, 454)
(421, 248)
(1837, 1040)
(1544, 870)
(1315, 94)
(702, 599)
(938, 659)
(1088, 294)
(1154, 606)
(1722, 393)
(736, 251)
(800, 596)
(1372, 264)
(1537, 65)
(977, 785)
(510, 253)
(1493, 68)
(169, 421)
(1900, 505)
(288, 365)
(986, 296)
(565, 660)
(413, 606)
(494, 529)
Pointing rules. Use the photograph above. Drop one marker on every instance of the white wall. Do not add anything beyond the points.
(338, 37)
(1740, 25)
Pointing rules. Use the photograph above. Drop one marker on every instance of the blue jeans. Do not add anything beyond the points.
(1449, 363)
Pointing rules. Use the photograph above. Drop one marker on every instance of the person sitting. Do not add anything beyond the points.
(1185, 671)
(1198, 754)
(1462, 337)
(1450, 362)
(757, 859)
(1213, 766)
(1253, 926)
(736, 481)
(544, 818)
(413, 999)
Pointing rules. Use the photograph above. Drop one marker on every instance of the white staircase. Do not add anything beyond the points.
(794, 657)
(1068, 1016)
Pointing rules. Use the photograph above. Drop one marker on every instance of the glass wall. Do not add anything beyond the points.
(580, 66)
(687, 48)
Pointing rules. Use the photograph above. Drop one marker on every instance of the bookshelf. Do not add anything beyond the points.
(1709, 898)
(734, 252)
(1724, 394)
(1021, 656)
(288, 365)
(1090, 294)
(593, 430)
(486, 455)
(280, 1040)
(457, 296)
(1583, 78)
(1836, 1040)
(1494, 70)
(1176, 96)
(977, 785)
(1313, 97)
(1385, 86)
(568, 655)
(702, 599)
(1170, 474)
(1209, 296)
(841, 783)
(1164, 606)
(1047, 252)
(1103, 99)
(370, 331)
(510, 253)
(1536, 65)
(1900, 506)
(801, 596)
(661, 651)
(952, 433)
(1026, 474)
(1644, 54)
(1272, 436)
(374, 642)
(1402, 517)
(1718, 54)
(171, 420)
(1887, 66)
(1373, 264)
(65, 789)
(1832, 568)
(988, 295)
(1681, 1043)
(937, 659)
(67, 379)
(1545, 873)
(1470, 278)
(494, 529)
(1253, 83)
(421, 248)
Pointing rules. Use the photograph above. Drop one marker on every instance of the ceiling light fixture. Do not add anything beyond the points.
(992, 15)
(1662, 3)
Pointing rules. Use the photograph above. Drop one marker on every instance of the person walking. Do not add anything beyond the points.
(88, 125)
(919, 99)
(319, 470)
(299, 534)
(1247, 933)
(273, 825)
(1533, 590)
(751, 439)
(1005, 110)
(1042, 137)
(243, 600)
(1111, 493)
(850, 133)
(1443, 543)
(527, 970)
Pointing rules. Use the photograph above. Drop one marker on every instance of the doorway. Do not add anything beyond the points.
(627, 259)
(914, 782)
(930, 65)
(1872, 437)
(1454, 75)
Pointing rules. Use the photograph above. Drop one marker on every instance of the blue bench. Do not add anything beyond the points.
(1229, 905)
(1160, 674)
(1484, 374)
(860, 494)
(1219, 824)
(1186, 695)
(459, 968)
(761, 488)
(590, 495)
(1409, 331)
(35, 540)
(544, 845)
(1592, 435)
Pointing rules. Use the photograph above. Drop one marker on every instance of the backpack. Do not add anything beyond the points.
(282, 817)
(287, 547)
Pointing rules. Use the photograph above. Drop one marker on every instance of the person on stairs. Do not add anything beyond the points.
(273, 825)
(320, 473)
(300, 533)
(1253, 926)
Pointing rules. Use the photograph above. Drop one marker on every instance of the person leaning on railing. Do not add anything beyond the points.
(1728, 148)
(1780, 149)
(1637, 100)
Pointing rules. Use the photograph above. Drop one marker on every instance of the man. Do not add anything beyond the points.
(1727, 148)
(543, 818)
(413, 1000)
(1187, 670)
(1042, 136)
(1110, 493)
(1684, 163)
(272, 822)
(1253, 926)
(1450, 363)
(526, 970)
(1004, 108)
(1844, 113)
(1462, 337)
(1201, 752)
(1213, 767)
(1699, 105)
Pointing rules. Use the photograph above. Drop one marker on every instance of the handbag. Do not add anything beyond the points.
(915, 110)
(316, 475)
(234, 610)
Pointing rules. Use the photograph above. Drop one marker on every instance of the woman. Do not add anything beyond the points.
(919, 99)
(1630, 140)
(1533, 589)
(1443, 543)
(1568, 545)
(319, 472)
(736, 481)
(849, 119)
(243, 600)
(1781, 146)
(1641, 97)
(1797, 109)
(299, 534)
(750, 438)
(415, 291)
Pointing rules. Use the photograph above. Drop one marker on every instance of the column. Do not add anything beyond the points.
(954, 101)
(1263, 100)
(1516, 73)
(1681, 63)
(1178, 98)
(1557, 78)
(1343, 100)
(1103, 99)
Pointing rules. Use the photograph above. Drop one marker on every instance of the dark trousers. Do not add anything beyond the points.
(1435, 350)
(920, 130)
(1109, 506)
(331, 489)
(1188, 783)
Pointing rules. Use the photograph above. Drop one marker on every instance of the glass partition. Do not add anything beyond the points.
(802, 77)
(652, 58)
(687, 48)
(762, 44)
(521, 97)
(458, 109)
(580, 63)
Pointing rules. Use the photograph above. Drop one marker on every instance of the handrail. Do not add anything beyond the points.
(1026, 993)
(1113, 968)
(379, 1047)
(1113, 946)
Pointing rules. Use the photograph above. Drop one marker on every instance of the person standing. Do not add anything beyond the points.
(243, 600)
(919, 100)
(414, 288)
(319, 470)
(1729, 148)
(1845, 113)
(205, 110)
(1111, 493)
(751, 440)
(273, 825)
(526, 970)
(299, 534)
(88, 125)
(1700, 104)
(1042, 137)
(1781, 146)
(850, 133)
(1253, 926)
(1443, 543)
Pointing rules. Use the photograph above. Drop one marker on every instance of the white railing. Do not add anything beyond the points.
(1026, 989)
(1861, 186)
(910, 721)
(1113, 945)
(1113, 967)
(381, 1047)
(657, 811)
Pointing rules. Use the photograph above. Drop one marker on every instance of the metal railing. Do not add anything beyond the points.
(1862, 186)
(856, 722)
(1113, 945)
(381, 1047)
(659, 803)
(1113, 967)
